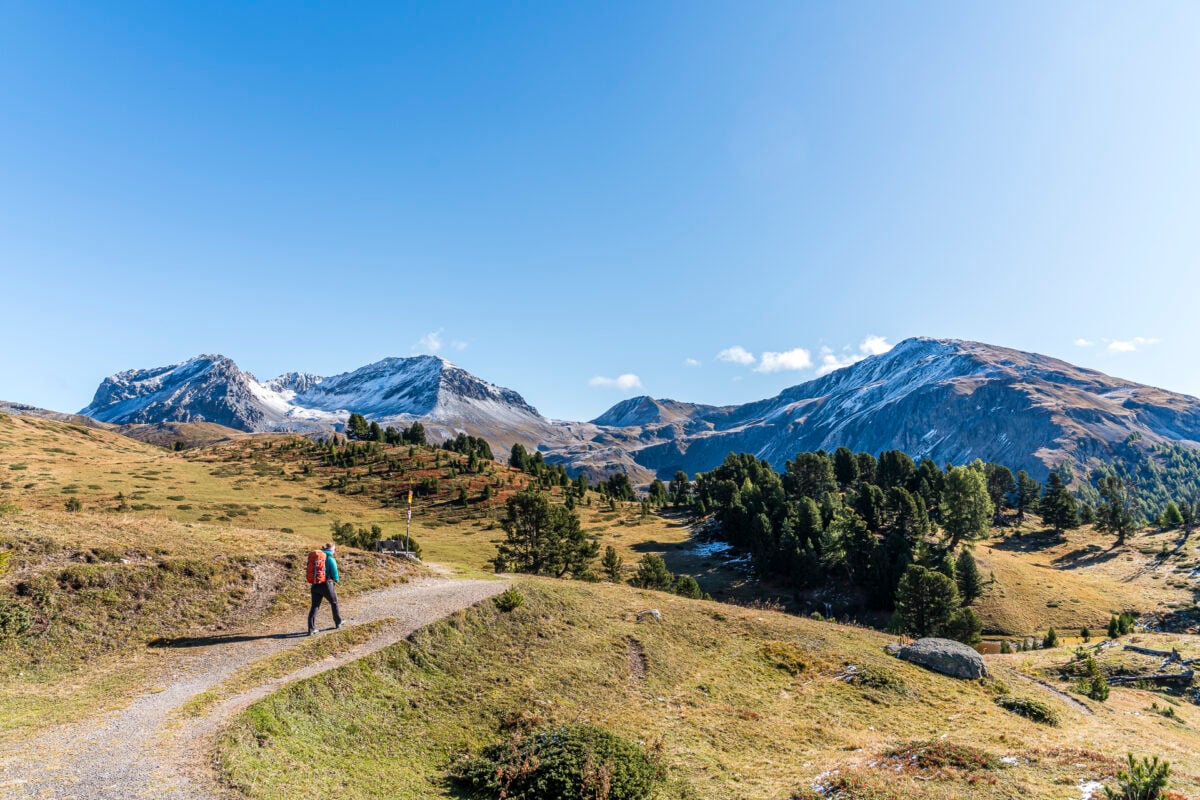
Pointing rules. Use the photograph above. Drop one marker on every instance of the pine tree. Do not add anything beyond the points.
(966, 574)
(612, 564)
(966, 508)
(543, 538)
(652, 573)
(1058, 507)
(925, 601)
(686, 586)
(845, 468)
(1114, 627)
(1171, 516)
(1118, 511)
(1051, 639)
(1026, 495)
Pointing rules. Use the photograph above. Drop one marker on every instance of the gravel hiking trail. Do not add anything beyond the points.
(147, 751)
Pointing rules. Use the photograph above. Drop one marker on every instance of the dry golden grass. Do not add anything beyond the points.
(1081, 579)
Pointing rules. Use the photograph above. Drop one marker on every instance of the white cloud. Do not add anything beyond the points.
(871, 346)
(459, 346)
(831, 361)
(736, 355)
(691, 362)
(1129, 345)
(626, 382)
(430, 342)
(795, 359)
(874, 345)
(1081, 342)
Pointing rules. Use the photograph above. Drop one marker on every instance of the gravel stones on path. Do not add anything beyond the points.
(142, 751)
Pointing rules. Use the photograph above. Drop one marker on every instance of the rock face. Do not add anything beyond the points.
(945, 656)
(943, 399)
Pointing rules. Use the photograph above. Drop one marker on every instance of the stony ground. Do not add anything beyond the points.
(147, 750)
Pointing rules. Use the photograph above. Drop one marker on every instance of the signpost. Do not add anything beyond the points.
(408, 524)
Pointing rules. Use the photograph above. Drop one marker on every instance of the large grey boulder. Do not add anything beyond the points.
(945, 656)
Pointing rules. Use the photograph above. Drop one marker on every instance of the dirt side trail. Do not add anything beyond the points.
(145, 751)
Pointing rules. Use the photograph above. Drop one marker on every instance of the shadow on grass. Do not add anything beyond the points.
(205, 641)
(1086, 557)
(1028, 541)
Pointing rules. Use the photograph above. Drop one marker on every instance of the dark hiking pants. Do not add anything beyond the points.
(329, 592)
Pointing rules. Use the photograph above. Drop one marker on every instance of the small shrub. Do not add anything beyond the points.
(1141, 780)
(1051, 639)
(74, 505)
(15, 618)
(570, 761)
(783, 656)
(872, 677)
(936, 755)
(1029, 708)
(509, 600)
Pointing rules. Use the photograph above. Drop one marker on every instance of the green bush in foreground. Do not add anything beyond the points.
(1140, 780)
(570, 762)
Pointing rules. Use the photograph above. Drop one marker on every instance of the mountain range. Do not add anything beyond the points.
(945, 399)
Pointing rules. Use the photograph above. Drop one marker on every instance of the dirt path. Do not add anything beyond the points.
(143, 751)
(1061, 695)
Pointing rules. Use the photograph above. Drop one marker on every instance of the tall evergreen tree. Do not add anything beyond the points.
(543, 538)
(845, 468)
(925, 602)
(809, 475)
(966, 508)
(680, 489)
(966, 575)
(1118, 508)
(1059, 509)
(1026, 495)
(657, 494)
(1000, 485)
(867, 465)
(896, 468)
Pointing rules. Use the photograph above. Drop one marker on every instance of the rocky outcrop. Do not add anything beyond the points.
(945, 656)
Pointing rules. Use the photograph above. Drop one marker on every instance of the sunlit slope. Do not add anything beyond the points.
(742, 703)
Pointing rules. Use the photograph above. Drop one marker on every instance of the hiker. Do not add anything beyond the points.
(322, 574)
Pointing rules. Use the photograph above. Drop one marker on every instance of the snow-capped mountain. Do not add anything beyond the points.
(945, 399)
(212, 388)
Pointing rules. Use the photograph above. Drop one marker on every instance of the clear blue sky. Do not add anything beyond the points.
(570, 192)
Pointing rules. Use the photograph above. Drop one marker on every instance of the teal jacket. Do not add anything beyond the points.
(331, 573)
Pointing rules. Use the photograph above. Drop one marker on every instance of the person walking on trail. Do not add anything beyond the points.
(322, 574)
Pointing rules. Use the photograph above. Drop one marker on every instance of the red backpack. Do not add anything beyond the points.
(316, 567)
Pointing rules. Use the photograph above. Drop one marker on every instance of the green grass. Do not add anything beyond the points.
(741, 703)
(285, 662)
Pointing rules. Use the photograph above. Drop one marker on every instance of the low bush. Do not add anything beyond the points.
(936, 755)
(1029, 708)
(509, 600)
(15, 618)
(569, 762)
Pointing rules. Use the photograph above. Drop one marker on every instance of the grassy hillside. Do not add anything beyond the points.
(741, 704)
(163, 546)
(1082, 578)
